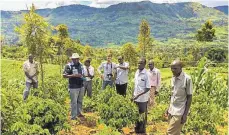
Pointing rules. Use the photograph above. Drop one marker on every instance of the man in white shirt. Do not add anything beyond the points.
(180, 100)
(141, 93)
(155, 82)
(108, 72)
(89, 74)
(121, 76)
(30, 68)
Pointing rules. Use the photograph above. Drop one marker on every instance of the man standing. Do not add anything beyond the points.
(155, 82)
(180, 100)
(121, 76)
(89, 74)
(74, 72)
(141, 93)
(30, 68)
(107, 76)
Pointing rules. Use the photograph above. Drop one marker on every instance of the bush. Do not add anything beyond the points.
(209, 101)
(46, 113)
(116, 110)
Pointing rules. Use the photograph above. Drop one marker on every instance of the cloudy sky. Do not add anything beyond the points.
(15, 5)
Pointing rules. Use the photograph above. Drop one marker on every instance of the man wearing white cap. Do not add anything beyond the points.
(74, 72)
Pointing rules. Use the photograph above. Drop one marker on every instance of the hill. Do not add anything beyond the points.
(223, 9)
(119, 23)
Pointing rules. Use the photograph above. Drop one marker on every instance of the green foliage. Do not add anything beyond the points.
(62, 31)
(129, 53)
(46, 113)
(206, 33)
(35, 34)
(105, 130)
(116, 110)
(216, 54)
(120, 22)
(10, 100)
(164, 96)
(211, 91)
(89, 104)
(144, 37)
(157, 113)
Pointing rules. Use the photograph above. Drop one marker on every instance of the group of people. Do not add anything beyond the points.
(146, 87)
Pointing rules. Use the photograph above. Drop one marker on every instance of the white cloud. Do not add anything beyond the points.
(21, 4)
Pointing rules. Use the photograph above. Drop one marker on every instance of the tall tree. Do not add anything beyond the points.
(129, 53)
(88, 51)
(34, 33)
(206, 33)
(144, 37)
(62, 31)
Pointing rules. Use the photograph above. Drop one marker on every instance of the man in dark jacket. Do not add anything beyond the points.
(74, 72)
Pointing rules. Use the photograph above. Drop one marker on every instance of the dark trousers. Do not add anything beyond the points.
(88, 88)
(121, 89)
(141, 125)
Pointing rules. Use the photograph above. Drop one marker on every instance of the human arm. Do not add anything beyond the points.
(99, 70)
(189, 90)
(158, 83)
(67, 73)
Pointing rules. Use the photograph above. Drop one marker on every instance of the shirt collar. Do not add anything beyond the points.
(71, 63)
(142, 72)
(153, 69)
(180, 76)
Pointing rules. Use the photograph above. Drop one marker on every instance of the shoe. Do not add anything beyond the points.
(81, 115)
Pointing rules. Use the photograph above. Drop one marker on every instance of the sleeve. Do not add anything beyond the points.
(67, 70)
(114, 65)
(189, 87)
(158, 81)
(37, 67)
(83, 70)
(25, 68)
(92, 71)
(147, 80)
(100, 68)
(127, 65)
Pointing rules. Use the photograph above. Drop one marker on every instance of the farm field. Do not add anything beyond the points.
(13, 83)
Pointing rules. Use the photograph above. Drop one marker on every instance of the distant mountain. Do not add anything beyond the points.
(222, 9)
(119, 23)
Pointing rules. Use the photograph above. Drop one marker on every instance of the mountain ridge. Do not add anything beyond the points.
(119, 23)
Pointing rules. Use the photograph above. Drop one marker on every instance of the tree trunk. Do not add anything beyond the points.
(42, 72)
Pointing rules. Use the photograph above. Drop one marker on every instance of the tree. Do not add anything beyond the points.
(88, 51)
(129, 53)
(216, 54)
(206, 33)
(144, 37)
(34, 33)
(62, 31)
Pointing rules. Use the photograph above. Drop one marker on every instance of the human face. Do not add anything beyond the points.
(151, 65)
(108, 59)
(87, 64)
(120, 60)
(31, 58)
(141, 65)
(75, 60)
(176, 69)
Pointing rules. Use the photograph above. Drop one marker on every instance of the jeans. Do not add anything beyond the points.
(105, 83)
(76, 96)
(27, 88)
